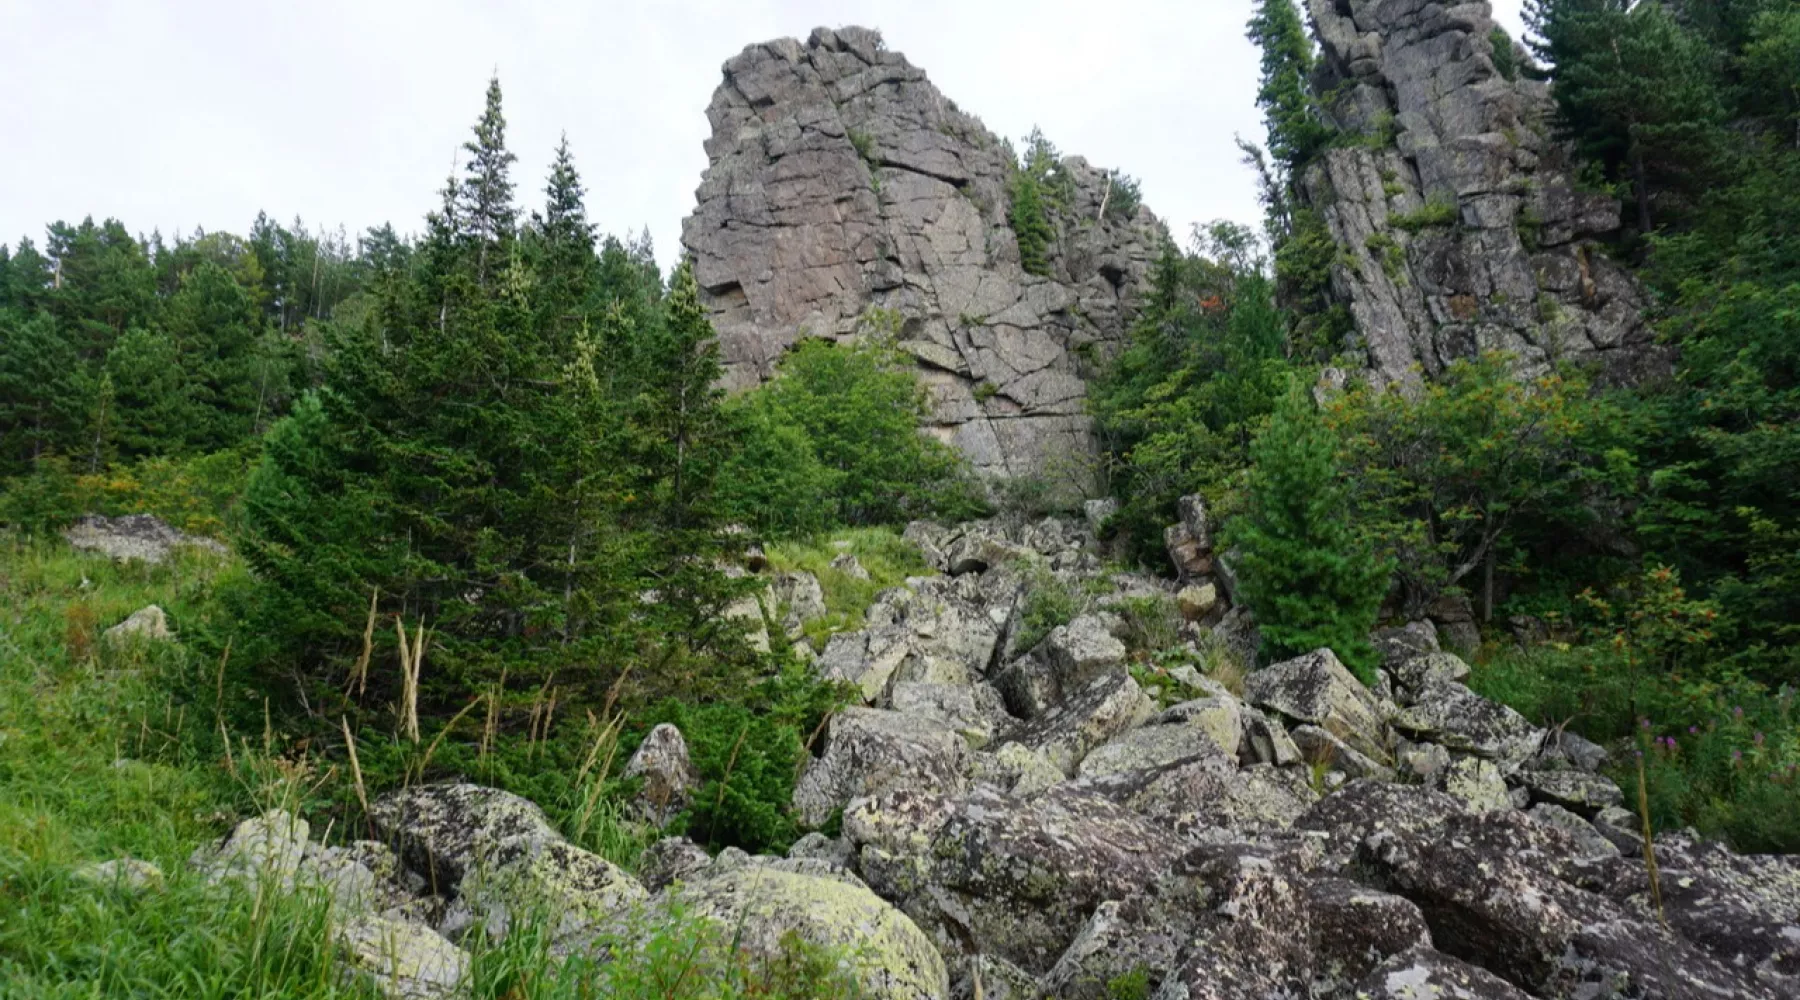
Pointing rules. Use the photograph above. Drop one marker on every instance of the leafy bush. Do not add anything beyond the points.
(835, 441)
(887, 558)
(1310, 575)
(1050, 603)
(1436, 212)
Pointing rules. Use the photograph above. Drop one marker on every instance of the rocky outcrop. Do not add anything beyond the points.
(1459, 222)
(845, 195)
(135, 537)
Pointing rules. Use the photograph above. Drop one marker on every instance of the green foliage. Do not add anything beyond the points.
(1178, 407)
(834, 440)
(1297, 129)
(1123, 195)
(1440, 473)
(1506, 57)
(1637, 91)
(1311, 576)
(1438, 211)
(1303, 262)
(887, 558)
(1037, 185)
(1388, 253)
(1049, 604)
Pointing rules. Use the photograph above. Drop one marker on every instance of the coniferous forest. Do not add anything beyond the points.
(491, 446)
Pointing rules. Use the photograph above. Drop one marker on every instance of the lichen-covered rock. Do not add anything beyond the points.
(1460, 227)
(1081, 651)
(1744, 909)
(1197, 600)
(1354, 928)
(124, 873)
(994, 874)
(500, 855)
(139, 537)
(1089, 717)
(1325, 748)
(1424, 974)
(1361, 808)
(974, 710)
(869, 751)
(1317, 689)
(1149, 747)
(401, 959)
(668, 777)
(1265, 741)
(670, 860)
(1476, 783)
(843, 191)
(1590, 844)
(1028, 687)
(1018, 769)
(1201, 796)
(1490, 889)
(146, 623)
(268, 848)
(1449, 713)
(1219, 716)
(1397, 645)
(1577, 790)
(1419, 671)
(797, 599)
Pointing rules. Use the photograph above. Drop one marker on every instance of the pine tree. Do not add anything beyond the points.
(1296, 128)
(1636, 90)
(1306, 573)
(40, 400)
(487, 214)
(563, 248)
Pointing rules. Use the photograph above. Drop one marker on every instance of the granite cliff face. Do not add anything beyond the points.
(1459, 223)
(845, 195)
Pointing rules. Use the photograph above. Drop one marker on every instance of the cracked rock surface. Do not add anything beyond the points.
(846, 195)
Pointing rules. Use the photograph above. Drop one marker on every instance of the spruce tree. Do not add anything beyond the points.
(1635, 90)
(486, 211)
(41, 402)
(1296, 128)
(1307, 573)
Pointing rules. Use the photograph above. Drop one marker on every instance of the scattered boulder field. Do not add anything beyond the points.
(1081, 819)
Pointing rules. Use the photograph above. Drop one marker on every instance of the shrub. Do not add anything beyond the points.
(835, 441)
(1436, 212)
(1308, 573)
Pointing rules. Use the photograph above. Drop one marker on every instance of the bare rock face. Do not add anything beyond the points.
(845, 196)
(1458, 218)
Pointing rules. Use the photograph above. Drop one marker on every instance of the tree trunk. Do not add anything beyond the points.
(1487, 589)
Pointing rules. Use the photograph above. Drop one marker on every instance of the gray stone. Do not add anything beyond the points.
(671, 860)
(762, 908)
(1577, 790)
(1424, 974)
(139, 537)
(870, 751)
(123, 873)
(1082, 650)
(1317, 689)
(1149, 747)
(401, 959)
(1418, 672)
(145, 624)
(1265, 741)
(1320, 746)
(844, 195)
(1219, 716)
(1449, 713)
(1591, 844)
(1090, 717)
(669, 778)
(1476, 783)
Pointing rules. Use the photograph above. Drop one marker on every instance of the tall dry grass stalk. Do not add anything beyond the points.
(1643, 797)
(412, 657)
(425, 761)
(362, 793)
(359, 674)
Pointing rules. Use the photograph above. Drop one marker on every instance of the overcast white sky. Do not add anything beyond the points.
(174, 114)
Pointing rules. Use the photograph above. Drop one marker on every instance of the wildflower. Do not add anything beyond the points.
(1759, 739)
(1737, 756)
(1693, 730)
(1737, 711)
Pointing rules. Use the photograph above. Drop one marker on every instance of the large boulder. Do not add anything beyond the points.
(1082, 650)
(1091, 716)
(760, 909)
(1424, 974)
(993, 874)
(500, 856)
(1492, 888)
(869, 751)
(147, 623)
(1319, 690)
(138, 537)
(1450, 714)
(668, 777)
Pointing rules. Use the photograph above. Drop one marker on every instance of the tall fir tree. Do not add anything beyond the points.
(1636, 90)
(1307, 574)
(486, 212)
(1296, 128)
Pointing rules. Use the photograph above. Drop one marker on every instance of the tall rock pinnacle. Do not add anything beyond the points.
(846, 196)
(1460, 224)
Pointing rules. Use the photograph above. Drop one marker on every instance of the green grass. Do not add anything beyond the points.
(110, 751)
(1723, 755)
(1436, 212)
(888, 558)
